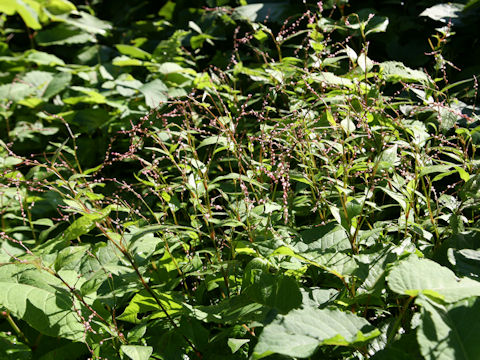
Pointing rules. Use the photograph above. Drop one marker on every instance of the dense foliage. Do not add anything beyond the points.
(234, 179)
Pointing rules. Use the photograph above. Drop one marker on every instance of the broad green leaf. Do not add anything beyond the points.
(334, 263)
(373, 268)
(141, 244)
(59, 82)
(230, 311)
(434, 169)
(395, 71)
(347, 125)
(27, 9)
(58, 7)
(169, 68)
(43, 58)
(388, 158)
(46, 84)
(302, 331)
(418, 130)
(444, 12)
(133, 51)
(377, 24)
(447, 118)
(137, 352)
(322, 239)
(144, 302)
(366, 22)
(91, 96)
(328, 78)
(40, 299)
(364, 62)
(86, 22)
(215, 140)
(63, 34)
(471, 189)
(260, 11)
(8, 161)
(15, 91)
(126, 61)
(236, 344)
(155, 93)
(414, 276)
(449, 332)
(87, 120)
(85, 224)
(276, 291)
(466, 261)
(70, 257)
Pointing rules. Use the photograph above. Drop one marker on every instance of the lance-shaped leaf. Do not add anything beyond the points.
(301, 331)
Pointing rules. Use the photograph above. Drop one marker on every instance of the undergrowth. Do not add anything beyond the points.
(304, 200)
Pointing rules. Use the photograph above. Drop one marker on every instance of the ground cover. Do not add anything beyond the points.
(244, 180)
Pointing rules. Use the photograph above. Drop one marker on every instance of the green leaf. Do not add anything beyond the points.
(126, 61)
(133, 51)
(12, 349)
(15, 91)
(322, 239)
(84, 224)
(449, 332)
(63, 34)
(43, 58)
(471, 189)
(414, 276)
(46, 84)
(155, 93)
(388, 158)
(28, 10)
(278, 291)
(444, 12)
(66, 351)
(395, 71)
(59, 82)
(328, 78)
(137, 352)
(236, 344)
(466, 261)
(377, 24)
(144, 302)
(86, 119)
(447, 118)
(301, 331)
(261, 11)
(367, 21)
(86, 22)
(58, 7)
(26, 292)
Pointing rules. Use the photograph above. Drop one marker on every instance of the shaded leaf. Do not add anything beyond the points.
(63, 34)
(48, 309)
(301, 331)
(449, 332)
